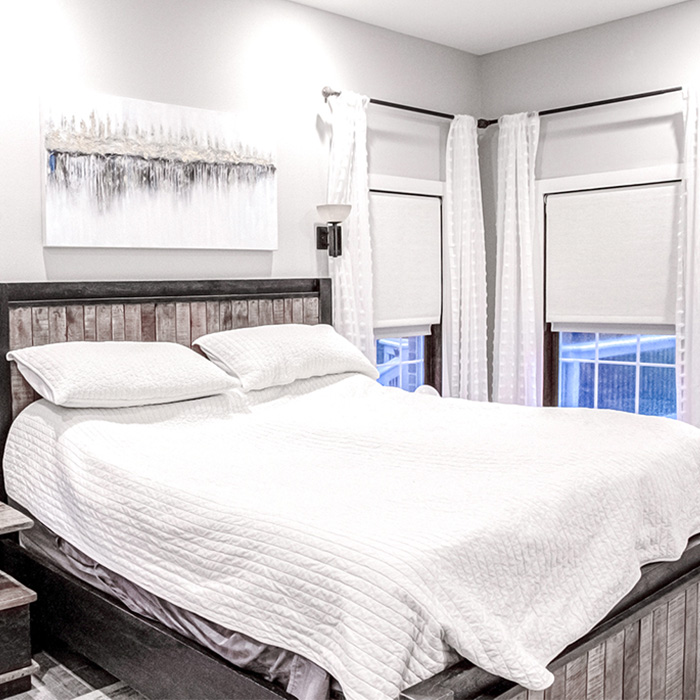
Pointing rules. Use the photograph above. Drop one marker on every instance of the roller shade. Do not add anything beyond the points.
(611, 256)
(406, 236)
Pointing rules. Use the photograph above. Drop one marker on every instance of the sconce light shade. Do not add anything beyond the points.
(329, 237)
(333, 213)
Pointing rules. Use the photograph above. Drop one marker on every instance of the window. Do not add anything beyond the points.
(406, 228)
(633, 373)
(610, 250)
(406, 261)
(401, 362)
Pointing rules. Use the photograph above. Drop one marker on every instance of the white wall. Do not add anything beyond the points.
(266, 57)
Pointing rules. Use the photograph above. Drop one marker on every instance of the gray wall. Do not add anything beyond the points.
(644, 53)
(266, 57)
(648, 52)
(271, 57)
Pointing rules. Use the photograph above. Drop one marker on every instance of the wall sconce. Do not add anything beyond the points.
(329, 237)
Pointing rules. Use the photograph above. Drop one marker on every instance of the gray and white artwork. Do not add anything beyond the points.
(130, 173)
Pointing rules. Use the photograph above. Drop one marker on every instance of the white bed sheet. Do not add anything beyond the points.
(372, 531)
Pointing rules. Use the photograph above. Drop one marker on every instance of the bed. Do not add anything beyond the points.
(646, 645)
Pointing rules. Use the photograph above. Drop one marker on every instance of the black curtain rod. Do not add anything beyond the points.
(483, 123)
(327, 92)
(406, 108)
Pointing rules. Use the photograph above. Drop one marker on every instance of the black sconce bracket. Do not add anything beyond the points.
(329, 238)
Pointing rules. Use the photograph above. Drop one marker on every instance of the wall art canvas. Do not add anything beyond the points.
(122, 172)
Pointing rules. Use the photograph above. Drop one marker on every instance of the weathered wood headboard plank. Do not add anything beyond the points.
(181, 322)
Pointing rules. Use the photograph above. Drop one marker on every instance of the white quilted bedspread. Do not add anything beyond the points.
(370, 530)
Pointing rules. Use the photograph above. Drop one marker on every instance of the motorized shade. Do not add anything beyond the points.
(406, 236)
(611, 256)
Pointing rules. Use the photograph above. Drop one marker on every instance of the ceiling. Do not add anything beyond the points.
(483, 26)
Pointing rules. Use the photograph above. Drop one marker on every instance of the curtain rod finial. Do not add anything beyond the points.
(328, 92)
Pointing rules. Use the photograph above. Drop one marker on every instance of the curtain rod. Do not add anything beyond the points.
(484, 123)
(327, 92)
(407, 108)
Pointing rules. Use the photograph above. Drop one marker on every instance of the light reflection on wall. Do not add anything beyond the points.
(41, 50)
(288, 64)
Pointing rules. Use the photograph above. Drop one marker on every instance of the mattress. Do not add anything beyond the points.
(377, 533)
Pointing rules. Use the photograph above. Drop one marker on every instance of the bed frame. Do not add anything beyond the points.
(646, 649)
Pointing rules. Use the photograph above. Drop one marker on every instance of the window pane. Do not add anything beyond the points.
(616, 387)
(414, 349)
(412, 376)
(576, 384)
(388, 350)
(626, 381)
(400, 362)
(657, 391)
(578, 346)
(659, 349)
(617, 347)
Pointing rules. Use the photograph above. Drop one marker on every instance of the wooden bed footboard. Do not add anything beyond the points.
(649, 654)
(648, 651)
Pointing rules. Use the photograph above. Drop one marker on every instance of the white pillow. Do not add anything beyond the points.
(266, 356)
(110, 374)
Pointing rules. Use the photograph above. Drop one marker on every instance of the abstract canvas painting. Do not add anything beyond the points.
(122, 172)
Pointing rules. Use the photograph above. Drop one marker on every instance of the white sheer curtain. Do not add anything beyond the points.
(464, 292)
(517, 363)
(348, 183)
(688, 297)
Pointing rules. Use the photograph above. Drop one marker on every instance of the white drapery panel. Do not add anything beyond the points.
(464, 314)
(517, 363)
(348, 183)
(688, 297)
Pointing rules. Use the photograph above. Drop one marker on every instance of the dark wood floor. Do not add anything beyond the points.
(64, 675)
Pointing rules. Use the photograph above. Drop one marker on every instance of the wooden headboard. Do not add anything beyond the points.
(36, 313)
